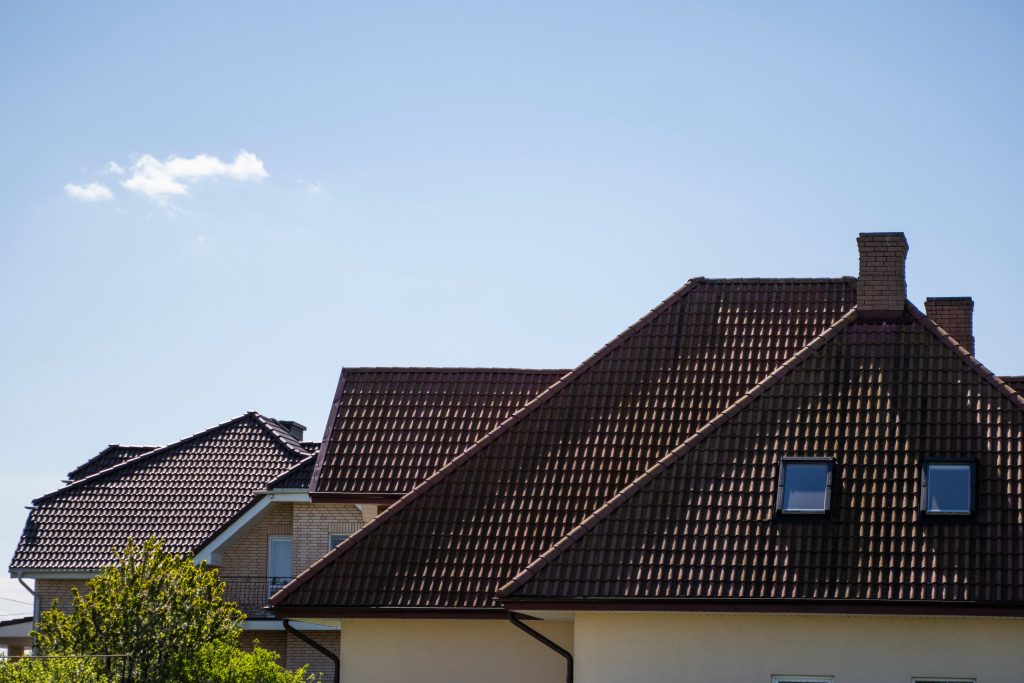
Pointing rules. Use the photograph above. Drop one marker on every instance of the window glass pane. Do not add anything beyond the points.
(949, 488)
(280, 557)
(805, 487)
(336, 540)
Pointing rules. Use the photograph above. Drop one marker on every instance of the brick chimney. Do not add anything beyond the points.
(882, 285)
(294, 428)
(954, 314)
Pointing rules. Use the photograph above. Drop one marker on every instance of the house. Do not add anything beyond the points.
(237, 495)
(192, 493)
(14, 637)
(763, 480)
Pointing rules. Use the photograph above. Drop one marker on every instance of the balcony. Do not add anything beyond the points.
(251, 593)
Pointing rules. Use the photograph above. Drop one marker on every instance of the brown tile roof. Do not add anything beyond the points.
(1015, 382)
(478, 521)
(876, 397)
(296, 477)
(114, 454)
(182, 492)
(391, 428)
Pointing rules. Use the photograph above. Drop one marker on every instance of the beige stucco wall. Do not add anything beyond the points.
(449, 651)
(731, 648)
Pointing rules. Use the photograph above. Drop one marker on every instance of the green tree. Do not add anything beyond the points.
(158, 608)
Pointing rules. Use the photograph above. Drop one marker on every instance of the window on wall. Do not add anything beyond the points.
(805, 486)
(335, 540)
(947, 487)
(802, 679)
(944, 680)
(279, 562)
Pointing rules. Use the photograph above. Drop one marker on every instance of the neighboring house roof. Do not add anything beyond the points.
(182, 492)
(473, 525)
(296, 477)
(19, 627)
(114, 454)
(391, 428)
(873, 395)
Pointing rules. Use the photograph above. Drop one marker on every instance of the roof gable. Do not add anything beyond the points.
(391, 428)
(470, 527)
(878, 398)
(182, 492)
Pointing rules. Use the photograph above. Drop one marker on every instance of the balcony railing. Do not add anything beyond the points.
(251, 592)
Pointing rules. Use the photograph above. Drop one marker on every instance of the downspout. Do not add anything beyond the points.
(318, 647)
(25, 585)
(517, 622)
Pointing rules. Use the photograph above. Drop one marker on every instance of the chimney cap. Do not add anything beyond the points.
(897, 233)
(951, 299)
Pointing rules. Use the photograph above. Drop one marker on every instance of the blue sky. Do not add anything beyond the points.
(308, 186)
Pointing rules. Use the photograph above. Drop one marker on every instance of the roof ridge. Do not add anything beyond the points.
(277, 430)
(106, 449)
(470, 452)
(849, 279)
(674, 455)
(480, 369)
(121, 465)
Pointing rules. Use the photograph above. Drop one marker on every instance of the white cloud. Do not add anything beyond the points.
(115, 168)
(311, 187)
(162, 179)
(93, 192)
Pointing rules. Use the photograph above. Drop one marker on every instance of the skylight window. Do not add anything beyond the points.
(805, 486)
(947, 487)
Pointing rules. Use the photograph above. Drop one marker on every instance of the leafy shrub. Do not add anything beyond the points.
(70, 670)
(220, 662)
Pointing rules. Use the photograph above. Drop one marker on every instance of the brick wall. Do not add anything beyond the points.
(312, 526)
(299, 653)
(882, 285)
(295, 653)
(269, 640)
(247, 555)
(60, 589)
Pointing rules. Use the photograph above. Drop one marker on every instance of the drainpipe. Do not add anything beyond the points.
(318, 647)
(25, 585)
(517, 622)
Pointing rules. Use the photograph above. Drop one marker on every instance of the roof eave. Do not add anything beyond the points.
(853, 607)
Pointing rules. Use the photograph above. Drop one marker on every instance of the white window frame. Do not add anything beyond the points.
(803, 679)
(272, 586)
(331, 545)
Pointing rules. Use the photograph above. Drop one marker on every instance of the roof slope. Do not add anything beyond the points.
(114, 454)
(391, 428)
(1015, 382)
(472, 526)
(878, 398)
(182, 492)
